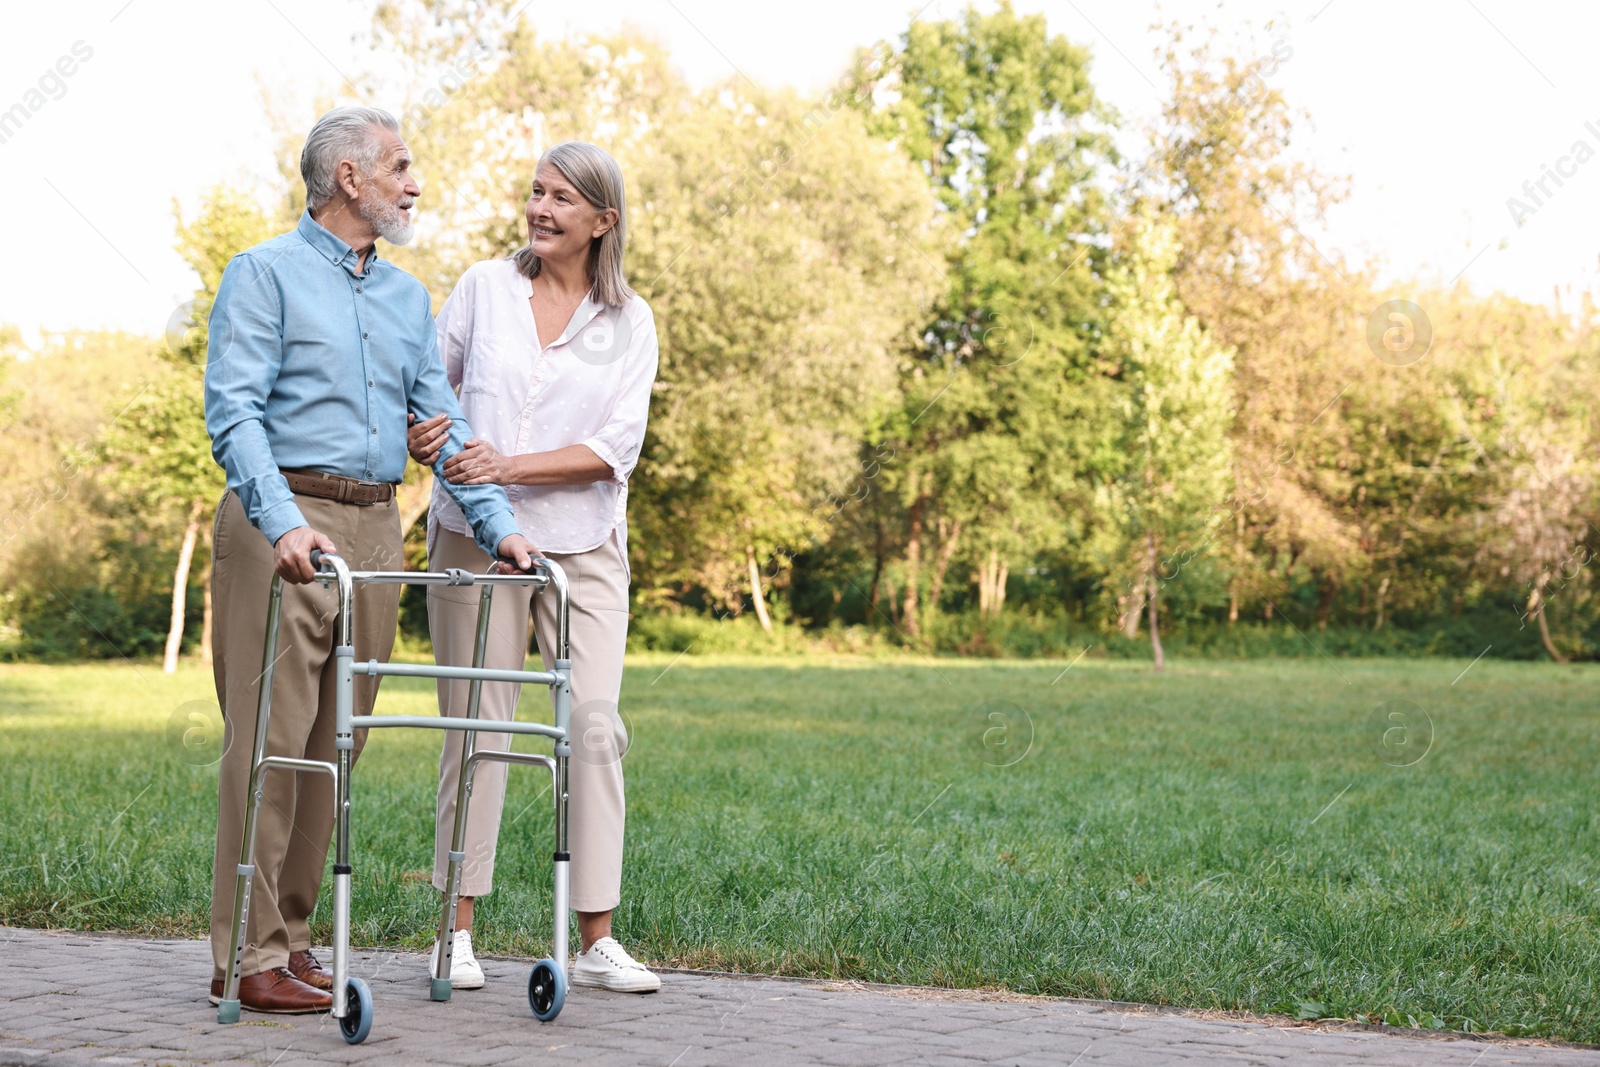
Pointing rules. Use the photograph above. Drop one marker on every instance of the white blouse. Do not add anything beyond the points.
(591, 386)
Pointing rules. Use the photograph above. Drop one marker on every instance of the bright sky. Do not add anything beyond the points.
(1438, 111)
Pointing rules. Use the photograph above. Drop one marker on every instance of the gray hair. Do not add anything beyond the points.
(343, 133)
(598, 179)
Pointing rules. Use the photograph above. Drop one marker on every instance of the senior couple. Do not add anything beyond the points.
(325, 368)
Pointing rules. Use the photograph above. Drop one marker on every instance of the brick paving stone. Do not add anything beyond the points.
(13, 1056)
(85, 999)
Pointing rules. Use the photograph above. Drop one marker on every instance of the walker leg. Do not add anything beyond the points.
(563, 752)
(439, 985)
(341, 890)
(562, 916)
(344, 744)
(547, 983)
(561, 697)
(228, 1006)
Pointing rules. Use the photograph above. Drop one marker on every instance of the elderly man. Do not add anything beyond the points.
(318, 352)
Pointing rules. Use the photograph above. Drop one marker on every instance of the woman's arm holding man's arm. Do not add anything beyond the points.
(480, 464)
(610, 455)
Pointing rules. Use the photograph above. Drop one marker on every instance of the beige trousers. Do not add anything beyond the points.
(296, 816)
(599, 634)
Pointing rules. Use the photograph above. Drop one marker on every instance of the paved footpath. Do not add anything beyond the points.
(82, 999)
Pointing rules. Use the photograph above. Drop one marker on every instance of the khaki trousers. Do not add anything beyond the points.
(598, 584)
(296, 815)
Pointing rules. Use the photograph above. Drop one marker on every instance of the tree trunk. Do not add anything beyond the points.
(1240, 558)
(1151, 592)
(1544, 624)
(877, 562)
(1128, 621)
(206, 618)
(755, 588)
(908, 611)
(947, 548)
(992, 574)
(1325, 591)
(180, 588)
(1383, 589)
(986, 575)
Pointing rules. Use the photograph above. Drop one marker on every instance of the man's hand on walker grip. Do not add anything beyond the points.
(516, 555)
(291, 556)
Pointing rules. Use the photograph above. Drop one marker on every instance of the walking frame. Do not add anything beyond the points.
(352, 1000)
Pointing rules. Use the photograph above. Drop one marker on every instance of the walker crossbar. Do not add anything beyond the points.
(446, 722)
(422, 670)
(352, 1001)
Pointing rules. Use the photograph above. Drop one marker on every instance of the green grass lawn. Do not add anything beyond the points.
(1221, 836)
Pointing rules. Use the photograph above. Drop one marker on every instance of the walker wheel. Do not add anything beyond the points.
(357, 1021)
(547, 990)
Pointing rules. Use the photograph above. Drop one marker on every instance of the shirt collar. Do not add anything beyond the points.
(581, 319)
(337, 252)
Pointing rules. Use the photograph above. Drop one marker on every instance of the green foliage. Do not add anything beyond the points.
(763, 401)
(925, 350)
(999, 393)
(1175, 409)
(64, 537)
(112, 601)
(157, 453)
(229, 221)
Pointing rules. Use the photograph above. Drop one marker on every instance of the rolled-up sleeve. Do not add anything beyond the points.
(621, 439)
(487, 508)
(244, 355)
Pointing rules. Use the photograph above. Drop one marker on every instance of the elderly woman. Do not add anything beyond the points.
(553, 356)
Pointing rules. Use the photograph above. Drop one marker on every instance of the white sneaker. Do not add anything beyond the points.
(464, 970)
(607, 965)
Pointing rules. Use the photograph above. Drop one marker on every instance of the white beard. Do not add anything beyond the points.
(392, 224)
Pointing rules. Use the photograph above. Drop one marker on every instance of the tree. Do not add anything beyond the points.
(1241, 207)
(1000, 393)
(160, 452)
(158, 459)
(1176, 412)
(780, 300)
(778, 296)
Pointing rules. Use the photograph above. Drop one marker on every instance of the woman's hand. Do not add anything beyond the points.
(479, 463)
(423, 439)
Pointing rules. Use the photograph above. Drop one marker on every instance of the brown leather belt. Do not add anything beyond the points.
(337, 487)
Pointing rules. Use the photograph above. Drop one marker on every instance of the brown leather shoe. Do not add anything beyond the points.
(277, 992)
(304, 966)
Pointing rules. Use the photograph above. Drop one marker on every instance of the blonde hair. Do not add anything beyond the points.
(598, 179)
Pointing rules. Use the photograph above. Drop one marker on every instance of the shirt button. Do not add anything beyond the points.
(374, 429)
(369, 384)
(358, 288)
(363, 337)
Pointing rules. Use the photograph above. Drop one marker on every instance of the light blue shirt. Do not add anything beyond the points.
(313, 365)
